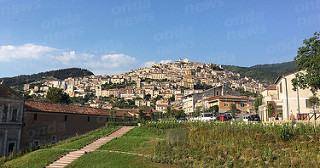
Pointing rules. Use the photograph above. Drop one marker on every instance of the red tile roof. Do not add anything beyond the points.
(37, 106)
(228, 97)
(271, 87)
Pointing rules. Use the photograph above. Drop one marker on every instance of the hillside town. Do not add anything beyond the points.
(159, 86)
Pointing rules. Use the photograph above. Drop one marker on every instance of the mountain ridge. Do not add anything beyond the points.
(263, 72)
(59, 74)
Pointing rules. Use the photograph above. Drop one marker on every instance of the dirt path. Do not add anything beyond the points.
(72, 156)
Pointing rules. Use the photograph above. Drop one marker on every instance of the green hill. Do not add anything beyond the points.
(58, 74)
(266, 73)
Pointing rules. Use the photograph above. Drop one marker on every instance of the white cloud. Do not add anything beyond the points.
(44, 57)
(70, 57)
(117, 60)
(26, 51)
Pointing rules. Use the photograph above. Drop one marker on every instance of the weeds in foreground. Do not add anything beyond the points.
(236, 144)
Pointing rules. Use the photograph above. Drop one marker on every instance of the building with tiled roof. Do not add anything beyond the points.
(224, 102)
(48, 123)
(288, 104)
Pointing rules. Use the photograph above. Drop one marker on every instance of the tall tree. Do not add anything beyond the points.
(314, 103)
(214, 109)
(152, 116)
(308, 65)
(270, 109)
(113, 115)
(169, 112)
(257, 103)
(56, 95)
(134, 117)
(124, 116)
(141, 115)
(233, 109)
(179, 114)
(307, 61)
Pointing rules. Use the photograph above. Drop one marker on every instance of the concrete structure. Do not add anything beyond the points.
(294, 103)
(224, 103)
(190, 100)
(270, 96)
(11, 109)
(290, 104)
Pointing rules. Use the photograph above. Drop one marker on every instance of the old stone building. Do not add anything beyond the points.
(11, 116)
(48, 123)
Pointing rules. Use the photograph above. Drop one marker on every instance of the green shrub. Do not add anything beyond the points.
(285, 132)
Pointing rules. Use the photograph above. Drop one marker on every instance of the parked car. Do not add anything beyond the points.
(206, 117)
(228, 114)
(224, 118)
(245, 118)
(254, 118)
(182, 119)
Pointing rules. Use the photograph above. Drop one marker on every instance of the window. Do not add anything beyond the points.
(14, 115)
(54, 139)
(242, 104)
(1, 111)
(308, 105)
(11, 147)
(35, 116)
(36, 142)
(65, 118)
(4, 113)
(280, 87)
(225, 104)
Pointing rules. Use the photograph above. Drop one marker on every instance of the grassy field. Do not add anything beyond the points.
(140, 140)
(236, 144)
(193, 144)
(102, 159)
(43, 157)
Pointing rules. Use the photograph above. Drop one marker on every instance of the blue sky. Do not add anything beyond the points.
(113, 36)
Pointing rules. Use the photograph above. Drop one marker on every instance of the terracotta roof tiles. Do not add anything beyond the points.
(37, 106)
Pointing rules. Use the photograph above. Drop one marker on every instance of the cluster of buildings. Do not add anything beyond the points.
(24, 123)
(160, 86)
